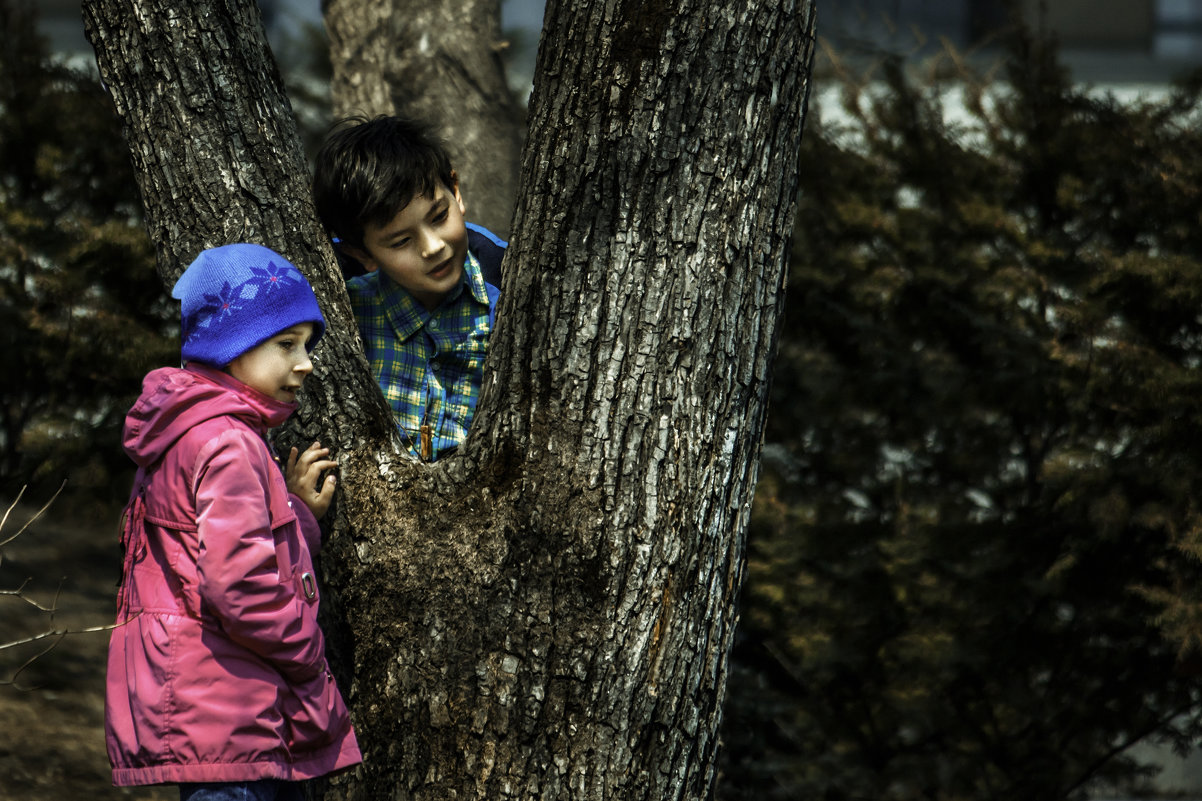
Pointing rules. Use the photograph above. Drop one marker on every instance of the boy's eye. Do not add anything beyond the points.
(440, 216)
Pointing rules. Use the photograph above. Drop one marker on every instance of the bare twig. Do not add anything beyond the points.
(12, 680)
(54, 633)
(19, 593)
(28, 522)
(59, 633)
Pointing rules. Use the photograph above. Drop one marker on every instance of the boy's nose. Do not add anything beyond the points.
(431, 245)
(305, 365)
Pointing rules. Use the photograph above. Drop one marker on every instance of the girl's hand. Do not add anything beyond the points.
(303, 477)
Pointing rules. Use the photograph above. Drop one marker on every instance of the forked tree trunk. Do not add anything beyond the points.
(438, 60)
(548, 615)
(217, 157)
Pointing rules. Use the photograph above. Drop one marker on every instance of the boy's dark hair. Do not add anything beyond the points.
(368, 170)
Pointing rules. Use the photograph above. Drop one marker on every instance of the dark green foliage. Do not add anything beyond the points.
(973, 561)
(82, 314)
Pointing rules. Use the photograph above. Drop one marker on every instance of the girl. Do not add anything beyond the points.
(217, 676)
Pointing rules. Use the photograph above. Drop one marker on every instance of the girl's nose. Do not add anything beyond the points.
(305, 365)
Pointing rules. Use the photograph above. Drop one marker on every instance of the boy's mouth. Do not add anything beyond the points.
(443, 270)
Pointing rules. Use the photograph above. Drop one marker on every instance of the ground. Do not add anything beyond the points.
(52, 712)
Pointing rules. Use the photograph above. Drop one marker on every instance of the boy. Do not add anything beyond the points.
(384, 188)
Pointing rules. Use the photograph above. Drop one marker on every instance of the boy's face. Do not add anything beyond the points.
(422, 248)
(277, 367)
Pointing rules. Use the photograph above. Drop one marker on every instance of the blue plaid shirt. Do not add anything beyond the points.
(429, 364)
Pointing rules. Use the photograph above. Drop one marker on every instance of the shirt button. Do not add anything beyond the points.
(434, 324)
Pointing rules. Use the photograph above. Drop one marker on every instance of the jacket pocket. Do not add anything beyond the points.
(315, 713)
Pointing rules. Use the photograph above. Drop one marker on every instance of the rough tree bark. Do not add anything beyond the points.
(217, 157)
(439, 60)
(549, 614)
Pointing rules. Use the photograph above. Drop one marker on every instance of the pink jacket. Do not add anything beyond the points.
(217, 669)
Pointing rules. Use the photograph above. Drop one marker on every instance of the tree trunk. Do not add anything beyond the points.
(438, 60)
(218, 159)
(548, 615)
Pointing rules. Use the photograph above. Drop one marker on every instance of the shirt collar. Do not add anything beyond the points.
(408, 316)
(474, 276)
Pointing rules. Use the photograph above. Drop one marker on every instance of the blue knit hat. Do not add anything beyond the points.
(235, 296)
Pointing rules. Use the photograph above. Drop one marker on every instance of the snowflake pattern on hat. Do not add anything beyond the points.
(273, 277)
(228, 301)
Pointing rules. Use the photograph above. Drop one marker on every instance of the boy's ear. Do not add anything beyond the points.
(362, 256)
(455, 191)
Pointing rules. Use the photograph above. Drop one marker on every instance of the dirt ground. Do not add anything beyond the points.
(52, 711)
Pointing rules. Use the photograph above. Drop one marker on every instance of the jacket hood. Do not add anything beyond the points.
(174, 400)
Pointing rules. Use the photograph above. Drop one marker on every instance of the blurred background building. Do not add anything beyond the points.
(1103, 40)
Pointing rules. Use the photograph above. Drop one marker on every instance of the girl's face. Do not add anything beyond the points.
(277, 367)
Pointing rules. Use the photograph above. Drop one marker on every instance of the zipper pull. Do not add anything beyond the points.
(427, 444)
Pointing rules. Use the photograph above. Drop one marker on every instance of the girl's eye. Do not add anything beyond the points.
(440, 216)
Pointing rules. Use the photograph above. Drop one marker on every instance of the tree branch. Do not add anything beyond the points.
(19, 593)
